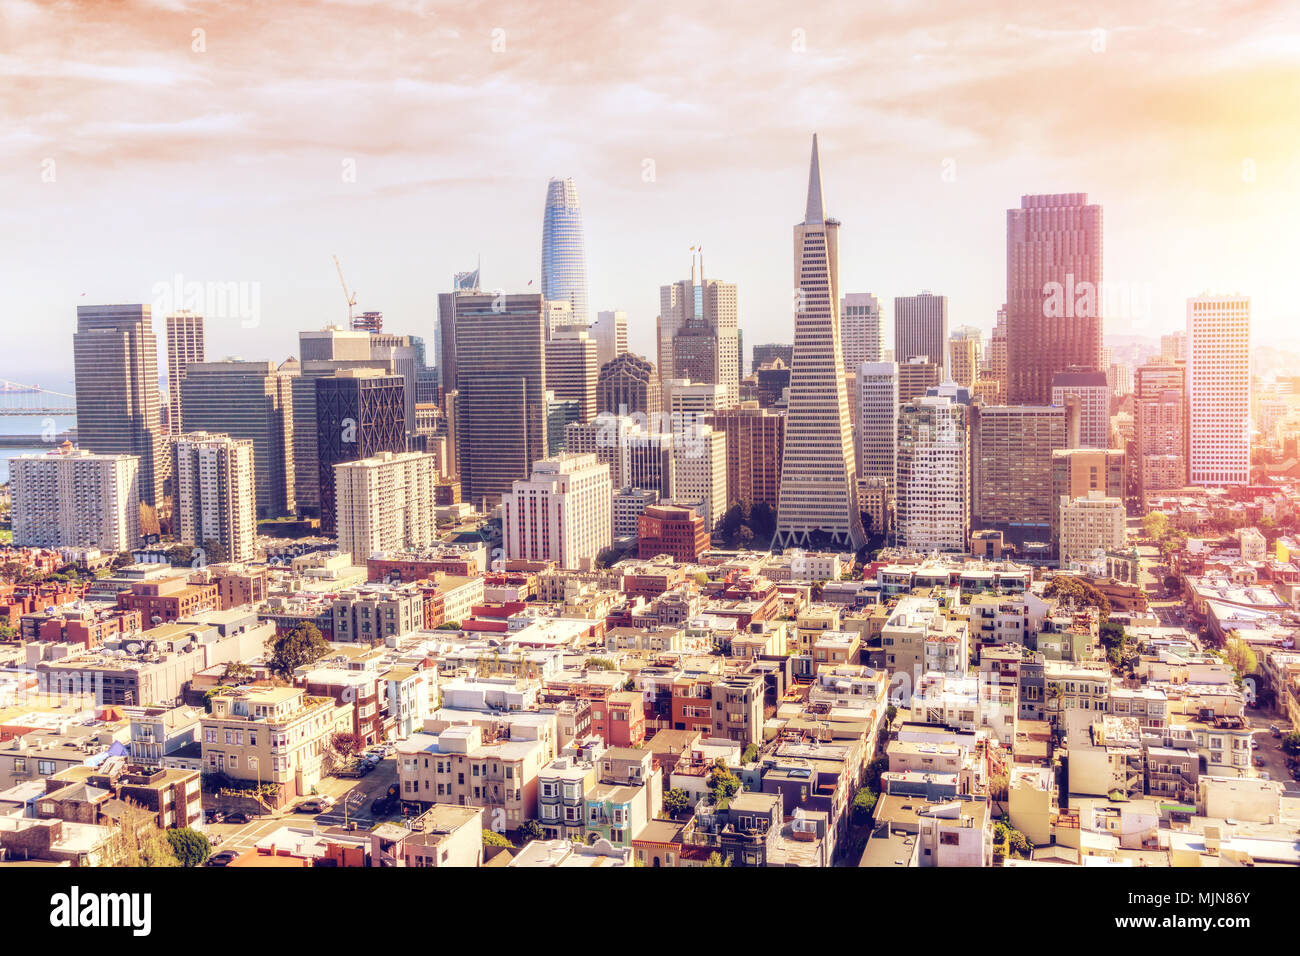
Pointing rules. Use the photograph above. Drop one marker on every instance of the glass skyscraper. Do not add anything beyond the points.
(564, 256)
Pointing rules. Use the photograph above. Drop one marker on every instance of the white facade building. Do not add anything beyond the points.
(562, 513)
(933, 488)
(216, 494)
(700, 470)
(386, 503)
(610, 332)
(876, 398)
(68, 499)
(1218, 390)
(860, 339)
(1090, 527)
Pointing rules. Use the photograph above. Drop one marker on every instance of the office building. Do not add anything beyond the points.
(563, 512)
(1054, 276)
(1077, 472)
(1090, 388)
(755, 445)
(184, 348)
(215, 495)
(385, 503)
(819, 493)
(964, 355)
(359, 414)
(254, 401)
(700, 470)
(572, 368)
(115, 358)
(1012, 457)
(501, 385)
(628, 385)
(1090, 526)
(876, 397)
(667, 529)
(860, 335)
(916, 376)
(564, 255)
(610, 332)
(464, 283)
(629, 505)
(767, 352)
(1160, 428)
(921, 328)
(75, 499)
(698, 335)
(1218, 390)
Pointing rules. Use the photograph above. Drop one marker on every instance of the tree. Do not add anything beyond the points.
(189, 846)
(864, 802)
(1156, 525)
(717, 859)
(723, 783)
(531, 830)
(877, 766)
(750, 755)
(1291, 744)
(137, 840)
(676, 801)
(891, 714)
(1019, 844)
(600, 664)
(347, 744)
(1239, 654)
(303, 645)
(237, 672)
(492, 838)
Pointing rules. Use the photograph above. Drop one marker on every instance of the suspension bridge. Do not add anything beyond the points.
(19, 399)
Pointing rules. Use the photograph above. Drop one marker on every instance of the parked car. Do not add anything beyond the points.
(223, 858)
(1263, 775)
(382, 806)
(1275, 730)
(321, 804)
(238, 816)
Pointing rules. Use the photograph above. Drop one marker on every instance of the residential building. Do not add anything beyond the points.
(215, 495)
(932, 495)
(385, 503)
(70, 498)
(1218, 390)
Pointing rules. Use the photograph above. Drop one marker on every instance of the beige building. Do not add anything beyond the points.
(275, 735)
(1090, 527)
(562, 513)
(184, 348)
(69, 499)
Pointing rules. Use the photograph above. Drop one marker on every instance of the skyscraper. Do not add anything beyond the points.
(755, 440)
(251, 400)
(610, 332)
(184, 348)
(445, 339)
(1093, 394)
(216, 500)
(698, 331)
(572, 367)
(564, 256)
(1053, 292)
(1012, 458)
(359, 414)
(628, 386)
(876, 395)
(115, 357)
(964, 355)
(500, 403)
(860, 338)
(562, 512)
(818, 472)
(1218, 390)
(921, 327)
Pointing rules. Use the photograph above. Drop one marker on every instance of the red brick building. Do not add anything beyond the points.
(667, 529)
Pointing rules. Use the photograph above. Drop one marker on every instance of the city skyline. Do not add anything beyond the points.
(962, 150)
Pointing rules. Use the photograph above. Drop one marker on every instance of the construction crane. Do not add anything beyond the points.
(350, 296)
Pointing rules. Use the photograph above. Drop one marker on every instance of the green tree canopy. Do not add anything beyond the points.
(303, 645)
(189, 846)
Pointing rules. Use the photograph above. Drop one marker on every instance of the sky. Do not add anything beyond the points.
(249, 143)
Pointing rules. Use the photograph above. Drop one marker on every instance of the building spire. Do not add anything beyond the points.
(814, 213)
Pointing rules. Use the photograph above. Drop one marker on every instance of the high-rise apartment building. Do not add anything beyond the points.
(215, 495)
(564, 255)
(755, 438)
(385, 503)
(610, 332)
(698, 331)
(1092, 392)
(628, 385)
(1054, 275)
(572, 368)
(860, 335)
(1090, 526)
(500, 405)
(1077, 472)
(359, 414)
(932, 495)
(1218, 390)
(1160, 428)
(819, 494)
(75, 499)
(563, 512)
(252, 400)
(115, 357)
(184, 348)
(1012, 457)
(921, 328)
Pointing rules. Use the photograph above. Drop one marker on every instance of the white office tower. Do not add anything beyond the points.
(563, 512)
(819, 494)
(1092, 392)
(932, 494)
(385, 503)
(876, 392)
(610, 332)
(216, 495)
(1218, 390)
(606, 437)
(860, 339)
(700, 469)
(687, 403)
(75, 499)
